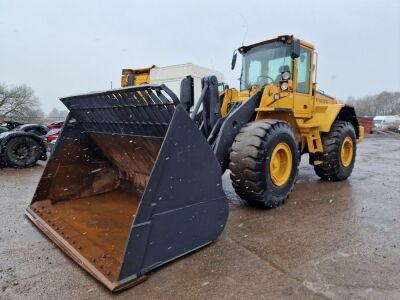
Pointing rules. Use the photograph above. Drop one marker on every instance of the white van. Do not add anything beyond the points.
(380, 121)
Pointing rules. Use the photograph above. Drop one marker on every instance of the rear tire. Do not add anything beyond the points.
(255, 177)
(339, 152)
(22, 152)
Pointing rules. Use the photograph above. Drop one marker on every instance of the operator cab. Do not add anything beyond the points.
(272, 62)
(262, 64)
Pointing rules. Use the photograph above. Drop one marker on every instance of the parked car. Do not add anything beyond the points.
(19, 149)
(39, 130)
(8, 125)
(51, 136)
(56, 125)
(21, 145)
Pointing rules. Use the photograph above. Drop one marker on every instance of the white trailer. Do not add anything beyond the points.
(172, 76)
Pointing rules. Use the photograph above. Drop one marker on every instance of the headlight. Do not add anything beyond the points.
(284, 86)
(285, 75)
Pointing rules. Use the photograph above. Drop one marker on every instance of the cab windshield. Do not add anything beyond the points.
(264, 64)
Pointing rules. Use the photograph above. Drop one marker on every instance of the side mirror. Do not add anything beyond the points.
(234, 57)
(295, 48)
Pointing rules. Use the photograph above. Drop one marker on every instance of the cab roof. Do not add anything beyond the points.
(288, 38)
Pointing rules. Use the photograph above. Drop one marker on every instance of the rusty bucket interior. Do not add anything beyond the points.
(131, 185)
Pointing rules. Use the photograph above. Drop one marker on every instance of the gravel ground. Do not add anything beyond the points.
(330, 240)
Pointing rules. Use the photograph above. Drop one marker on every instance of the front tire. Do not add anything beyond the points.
(264, 162)
(339, 152)
(22, 152)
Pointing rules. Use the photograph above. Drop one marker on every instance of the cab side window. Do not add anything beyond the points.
(303, 71)
(254, 71)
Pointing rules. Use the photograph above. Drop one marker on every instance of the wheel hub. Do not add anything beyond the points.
(21, 151)
(280, 165)
(346, 151)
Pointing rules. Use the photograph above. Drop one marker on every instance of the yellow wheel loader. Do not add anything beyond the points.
(134, 180)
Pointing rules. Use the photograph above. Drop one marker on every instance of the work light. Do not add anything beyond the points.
(285, 75)
(284, 86)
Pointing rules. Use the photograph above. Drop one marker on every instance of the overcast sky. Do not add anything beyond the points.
(61, 48)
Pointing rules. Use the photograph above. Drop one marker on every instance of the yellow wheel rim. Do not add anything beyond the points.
(280, 165)
(346, 152)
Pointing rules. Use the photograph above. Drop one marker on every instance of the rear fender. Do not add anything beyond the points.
(33, 127)
(348, 114)
(326, 115)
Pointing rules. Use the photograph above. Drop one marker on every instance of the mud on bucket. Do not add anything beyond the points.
(131, 185)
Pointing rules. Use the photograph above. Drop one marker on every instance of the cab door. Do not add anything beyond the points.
(303, 100)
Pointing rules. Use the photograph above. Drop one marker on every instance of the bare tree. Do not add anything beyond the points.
(19, 103)
(57, 115)
(385, 103)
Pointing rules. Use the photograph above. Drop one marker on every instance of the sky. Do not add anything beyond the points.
(62, 48)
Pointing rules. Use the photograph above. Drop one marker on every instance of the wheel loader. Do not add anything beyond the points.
(134, 181)
(133, 77)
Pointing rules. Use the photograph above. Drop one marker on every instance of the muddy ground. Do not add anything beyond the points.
(330, 240)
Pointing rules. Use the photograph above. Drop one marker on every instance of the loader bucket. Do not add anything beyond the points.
(131, 185)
